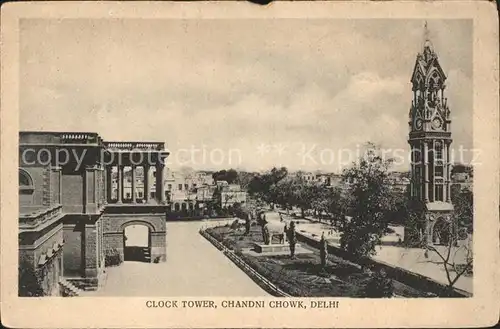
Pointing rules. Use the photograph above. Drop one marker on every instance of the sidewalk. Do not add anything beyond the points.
(411, 259)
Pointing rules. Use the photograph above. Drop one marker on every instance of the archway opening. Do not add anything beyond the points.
(441, 232)
(137, 243)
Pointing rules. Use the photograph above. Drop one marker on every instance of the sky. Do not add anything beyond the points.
(247, 94)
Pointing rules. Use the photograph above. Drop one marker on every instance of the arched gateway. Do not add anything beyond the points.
(137, 241)
(128, 216)
(441, 232)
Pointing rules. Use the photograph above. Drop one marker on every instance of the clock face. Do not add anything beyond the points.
(418, 124)
(436, 123)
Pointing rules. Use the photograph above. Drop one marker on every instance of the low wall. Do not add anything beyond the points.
(253, 274)
(397, 273)
(174, 218)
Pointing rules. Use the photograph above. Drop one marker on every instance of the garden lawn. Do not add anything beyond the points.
(303, 276)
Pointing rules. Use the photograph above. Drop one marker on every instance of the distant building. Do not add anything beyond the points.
(182, 190)
(231, 194)
(399, 181)
(464, 179)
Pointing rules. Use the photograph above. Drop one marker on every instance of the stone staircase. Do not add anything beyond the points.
(147, 254)
(69, 289)
(82, 284)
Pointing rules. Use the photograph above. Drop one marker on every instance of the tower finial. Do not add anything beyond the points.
(428, 48)
(426, 32)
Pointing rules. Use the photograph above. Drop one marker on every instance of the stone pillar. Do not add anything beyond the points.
(89, 189)
(134, 199)
(160, 193)
(448, 171)
(91, 252)
(57, 188)
(120, 184)
(109, 183)
(146, 183)
(426, 172)
(97, 171)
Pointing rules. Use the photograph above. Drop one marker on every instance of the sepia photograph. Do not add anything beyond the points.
(272, 163)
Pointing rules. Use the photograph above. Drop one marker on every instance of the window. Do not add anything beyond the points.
(26, 188)
(180, 187)
(152, 195)
(416, 156)
(194, 184)
(439, 192)
(439, 171)
(417, 174)
(186, 186)
(169, 187)
(140, 194)
(25, 181)
(128, 195)
(439, 151)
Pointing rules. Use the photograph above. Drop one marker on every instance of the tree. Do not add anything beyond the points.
(463, 204)
(399, 207)
(369, 203)
(449, 259)
(302, 194)
(244, 178)
(225, 175)
(262, 186)
(292, 239)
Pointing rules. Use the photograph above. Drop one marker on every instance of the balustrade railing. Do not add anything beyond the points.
(156, 146)
(80, 138)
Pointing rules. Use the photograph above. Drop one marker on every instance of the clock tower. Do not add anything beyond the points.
(430, 140)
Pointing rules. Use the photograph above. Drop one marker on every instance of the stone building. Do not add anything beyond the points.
(182, 188)
(230, 194)
(68, 217)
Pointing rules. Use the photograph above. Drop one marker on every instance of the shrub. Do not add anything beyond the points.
(112, 257)
(379, 285)
(29, 282)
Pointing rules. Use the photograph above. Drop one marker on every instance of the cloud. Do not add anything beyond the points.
(236, 84)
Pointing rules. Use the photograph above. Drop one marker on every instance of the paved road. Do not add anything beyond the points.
(194, 267)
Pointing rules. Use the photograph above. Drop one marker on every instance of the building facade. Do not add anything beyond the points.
(68, 215)
(430, 141)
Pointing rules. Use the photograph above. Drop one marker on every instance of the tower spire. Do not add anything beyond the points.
(426, 32)
(428, 49)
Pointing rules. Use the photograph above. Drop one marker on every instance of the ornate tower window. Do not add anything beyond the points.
(439, 167)
(439, 190)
